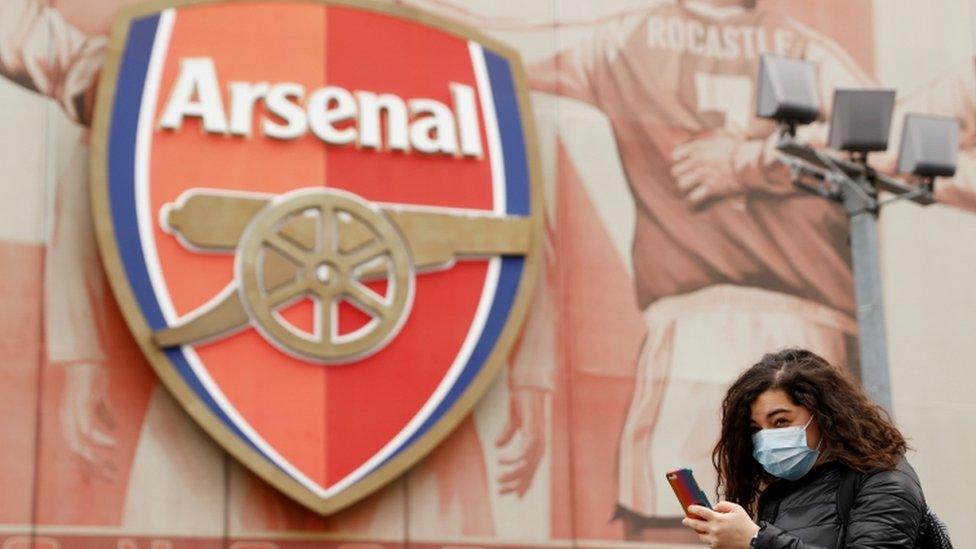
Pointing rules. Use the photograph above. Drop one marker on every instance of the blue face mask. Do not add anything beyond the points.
(784, 452)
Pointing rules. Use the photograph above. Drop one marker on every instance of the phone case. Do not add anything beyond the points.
(685, 487)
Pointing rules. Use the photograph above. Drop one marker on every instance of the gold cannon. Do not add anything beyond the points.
(324, 244)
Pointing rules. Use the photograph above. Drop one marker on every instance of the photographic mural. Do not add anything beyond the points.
(670, 252)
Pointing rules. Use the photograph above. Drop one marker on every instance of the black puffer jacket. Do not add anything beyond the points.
(887, 511)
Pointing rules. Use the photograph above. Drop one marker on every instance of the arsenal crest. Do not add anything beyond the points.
(321, 222)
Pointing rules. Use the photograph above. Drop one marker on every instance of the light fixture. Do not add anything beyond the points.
(861, 120)
(787, 91)
(929, 146)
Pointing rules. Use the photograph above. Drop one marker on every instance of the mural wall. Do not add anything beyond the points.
(676, 253)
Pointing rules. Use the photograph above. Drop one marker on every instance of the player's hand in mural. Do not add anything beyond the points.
(727, 527)
(703, 168)
(526, 417)
(86, 420)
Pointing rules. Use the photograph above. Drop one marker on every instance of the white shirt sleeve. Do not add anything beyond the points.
(44, 53)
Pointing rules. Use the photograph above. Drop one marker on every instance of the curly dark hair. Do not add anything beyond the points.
(854, 431)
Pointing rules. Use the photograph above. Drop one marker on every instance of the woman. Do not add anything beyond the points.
(795, 430)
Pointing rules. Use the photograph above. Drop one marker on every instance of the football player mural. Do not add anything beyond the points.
(728, 257)
(675, 82)
(88, 439)
(673, 251)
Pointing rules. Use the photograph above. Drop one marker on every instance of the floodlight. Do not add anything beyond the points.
(861, 119)
(929, 146)
(787, 90)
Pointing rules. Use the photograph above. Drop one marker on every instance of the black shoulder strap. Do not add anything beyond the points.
(846, 494)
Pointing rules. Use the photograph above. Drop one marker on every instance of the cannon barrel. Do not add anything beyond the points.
(216, 221)
(209, 220)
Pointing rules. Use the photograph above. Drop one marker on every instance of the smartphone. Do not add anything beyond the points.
(685, 487)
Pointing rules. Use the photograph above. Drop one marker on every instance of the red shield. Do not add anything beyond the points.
(320, 221)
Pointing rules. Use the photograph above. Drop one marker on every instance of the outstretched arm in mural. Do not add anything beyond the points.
(952, 95)
(531, 372)
(44, 53)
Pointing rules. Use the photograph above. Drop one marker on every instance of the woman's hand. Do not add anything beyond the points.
(727, 527)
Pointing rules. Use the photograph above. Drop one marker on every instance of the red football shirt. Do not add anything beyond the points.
(679, 72)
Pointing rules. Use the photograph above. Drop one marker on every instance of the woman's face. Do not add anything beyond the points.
(773, 409)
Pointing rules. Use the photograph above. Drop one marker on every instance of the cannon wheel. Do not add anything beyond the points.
(326, 273)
